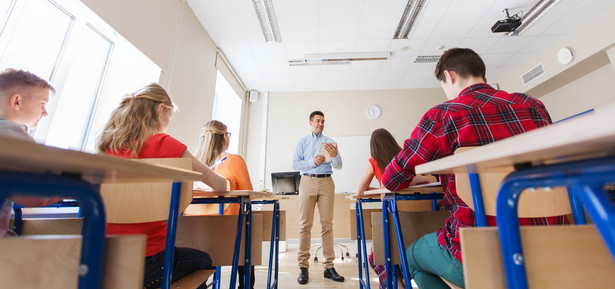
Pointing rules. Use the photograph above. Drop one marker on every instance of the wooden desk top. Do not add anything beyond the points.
(19, 155)
(586, 136)
(371, 194)
(236, 193)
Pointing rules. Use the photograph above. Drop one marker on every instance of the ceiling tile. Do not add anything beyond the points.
(510, 44)
(273, 65)
(328, 86)
(390, 75)
(397, 62)
(363, 85)
(298, 49)
(408, 84)
(385, 85)
(268, 50)
(480, 45)
(336, 46)
(334, 76)
(307, 86)
(372, 45)
(363, 75)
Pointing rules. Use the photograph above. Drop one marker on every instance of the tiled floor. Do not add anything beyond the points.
(289, 270)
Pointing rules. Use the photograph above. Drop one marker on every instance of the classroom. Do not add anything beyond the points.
(262, 66)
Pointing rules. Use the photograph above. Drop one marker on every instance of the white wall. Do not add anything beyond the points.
(170, 35)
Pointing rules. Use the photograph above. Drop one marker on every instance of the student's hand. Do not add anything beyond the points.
(319, 159)
(419, 180)
(331, 149)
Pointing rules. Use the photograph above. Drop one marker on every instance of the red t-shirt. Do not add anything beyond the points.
(157, 146)
(376, 170)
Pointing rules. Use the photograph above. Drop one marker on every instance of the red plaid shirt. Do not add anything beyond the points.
(478, 116)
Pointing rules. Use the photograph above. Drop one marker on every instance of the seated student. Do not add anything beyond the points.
(211, 150)
(137, 129)
(382, 147)
(23, 97)
(476, 114)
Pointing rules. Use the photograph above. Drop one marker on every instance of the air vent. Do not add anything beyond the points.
(532, 74)
(427, 59)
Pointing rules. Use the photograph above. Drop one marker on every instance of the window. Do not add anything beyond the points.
(227, 109)
(90, 65)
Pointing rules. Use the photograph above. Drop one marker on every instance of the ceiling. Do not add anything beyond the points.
(334, 26)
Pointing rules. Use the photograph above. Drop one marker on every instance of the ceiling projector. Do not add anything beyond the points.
(509, 24)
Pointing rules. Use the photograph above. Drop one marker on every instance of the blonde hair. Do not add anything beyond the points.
(135, 120)
(211, 142)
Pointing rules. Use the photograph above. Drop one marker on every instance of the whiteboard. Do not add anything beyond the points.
(355, 155)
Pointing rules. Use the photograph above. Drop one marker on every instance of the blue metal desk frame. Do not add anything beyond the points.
(93, 230)
(389, 205)
(245, 208)
(274, 240)
(361, 245)
(585, 179)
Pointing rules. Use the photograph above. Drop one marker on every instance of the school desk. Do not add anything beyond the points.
(577, 153)
(245, 211)
(389, 205)
(28, 168)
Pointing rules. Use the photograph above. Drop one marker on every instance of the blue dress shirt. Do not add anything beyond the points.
(307, 148)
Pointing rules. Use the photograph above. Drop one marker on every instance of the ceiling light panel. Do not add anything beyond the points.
(427, 58)
(268, 20)
(408, 20)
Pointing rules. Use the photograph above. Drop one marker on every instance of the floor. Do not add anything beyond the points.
(289, 271)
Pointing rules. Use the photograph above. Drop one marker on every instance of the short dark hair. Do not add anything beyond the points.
(463, 61)
(11, 78)
(316, 112)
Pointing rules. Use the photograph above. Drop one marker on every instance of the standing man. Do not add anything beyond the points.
(23, 97)
(476, 114)
(316, 187)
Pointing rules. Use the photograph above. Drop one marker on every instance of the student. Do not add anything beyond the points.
(23, 97)
(382, 147)
(476, 114)
(137, 129)
(211, 150)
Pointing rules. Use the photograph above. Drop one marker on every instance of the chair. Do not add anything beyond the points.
(149, 202)
(554, 256)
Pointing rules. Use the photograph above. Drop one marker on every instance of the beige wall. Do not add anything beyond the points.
(287, 118)
(593, 90)
(171, 36)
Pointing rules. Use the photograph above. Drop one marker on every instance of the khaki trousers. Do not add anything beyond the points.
(314, 191)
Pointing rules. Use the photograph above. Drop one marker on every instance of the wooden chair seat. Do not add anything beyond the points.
(555, 257)
(52, 261)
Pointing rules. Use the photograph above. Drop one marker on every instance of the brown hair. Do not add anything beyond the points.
(383, 147)
(135, 120)
(211, 142)
(463, 61)
(12, 80)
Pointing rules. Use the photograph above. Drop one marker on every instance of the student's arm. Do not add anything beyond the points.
(365, 180)
(215, 181)
(420, 179)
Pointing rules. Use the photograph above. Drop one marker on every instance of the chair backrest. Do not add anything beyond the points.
(146, 202)
(539, 202)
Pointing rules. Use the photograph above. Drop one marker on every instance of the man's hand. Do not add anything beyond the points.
(331, 149)
(319, 159)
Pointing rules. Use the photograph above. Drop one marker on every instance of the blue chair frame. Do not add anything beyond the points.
(93, 229)
(361, 245)
(585, 179)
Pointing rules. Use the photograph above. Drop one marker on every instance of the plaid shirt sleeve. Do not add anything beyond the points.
(422, 146)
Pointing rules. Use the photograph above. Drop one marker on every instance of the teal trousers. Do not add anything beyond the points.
(428, 260)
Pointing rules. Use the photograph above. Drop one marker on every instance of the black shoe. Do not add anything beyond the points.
(303, 276)
(332, 274)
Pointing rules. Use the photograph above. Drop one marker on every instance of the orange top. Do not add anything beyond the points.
(235, 170)
(376, 170)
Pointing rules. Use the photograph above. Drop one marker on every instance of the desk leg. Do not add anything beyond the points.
(248, 243)
(274, 247)
(400, 242)
(362, 246)
(578, 214)
(17, 220)
(169, 252)
(237, 245)
(387, 248)
(477, 199)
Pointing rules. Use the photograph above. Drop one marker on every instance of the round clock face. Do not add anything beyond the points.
(373, 111)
